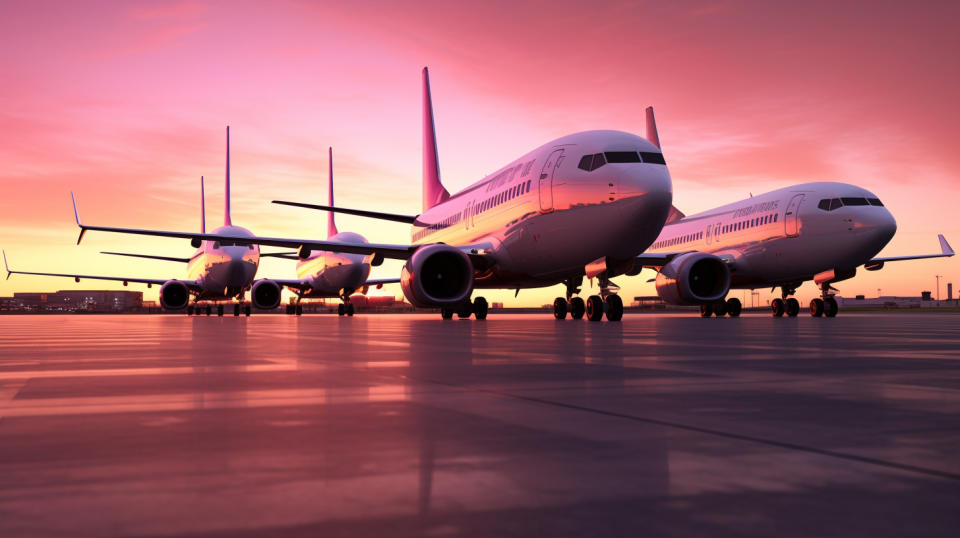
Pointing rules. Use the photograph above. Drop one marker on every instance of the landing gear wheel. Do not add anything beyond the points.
(734, 307)
(706, 310)
(792, 307)
(246, 310)
(349, 309)
(559, 308)
(298, 310)
(446, 313)
(189, 310)
(577, 308)
(209, 310)
(480, 308)
(341, 310)
(236, 310)
(614, 308)
(777, 307)
(816, 307)
(464, 311)
(720, 309)
(220, 310)
(830, 307)
(594, 308)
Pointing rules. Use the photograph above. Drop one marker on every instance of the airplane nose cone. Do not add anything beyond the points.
(885, 226)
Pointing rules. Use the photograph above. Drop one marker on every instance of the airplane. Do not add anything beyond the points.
(584, 205)
(819, 231)
(222, 269)
(328, 274)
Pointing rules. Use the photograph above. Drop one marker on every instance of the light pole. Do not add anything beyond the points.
(938, 287)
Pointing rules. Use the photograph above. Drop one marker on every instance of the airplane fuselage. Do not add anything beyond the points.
(334, 274)
(224, 270)
(787, 236)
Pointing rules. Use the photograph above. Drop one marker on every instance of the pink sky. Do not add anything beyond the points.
(125, 103)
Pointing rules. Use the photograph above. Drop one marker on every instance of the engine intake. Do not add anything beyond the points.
(437, 275)
(265, 294)
(694, 278)
(174, 295)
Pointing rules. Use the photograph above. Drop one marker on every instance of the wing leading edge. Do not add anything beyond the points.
(945, 252)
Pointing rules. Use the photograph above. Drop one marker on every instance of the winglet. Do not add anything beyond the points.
(652, 135)
(944, 246)
(433, 190)
(331, 225)
(5, 266)
(76, 217)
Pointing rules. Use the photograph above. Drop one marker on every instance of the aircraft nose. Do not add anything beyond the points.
(880, 224)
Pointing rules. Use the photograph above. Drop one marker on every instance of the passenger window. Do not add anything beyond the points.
(598, 161)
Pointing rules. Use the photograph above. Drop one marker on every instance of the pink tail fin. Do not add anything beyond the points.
(652, 135)
(226, 197)
(203, 209)
(331, 225)
(433, 191)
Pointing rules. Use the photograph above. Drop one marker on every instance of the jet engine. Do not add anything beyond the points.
(174, 295)
(694, 278)
(437, 275)
(265, 294)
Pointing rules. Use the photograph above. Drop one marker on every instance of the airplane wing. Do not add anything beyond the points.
(148, 281)
(164, 258)
(284, 255)
(877, 263)
(408, 219)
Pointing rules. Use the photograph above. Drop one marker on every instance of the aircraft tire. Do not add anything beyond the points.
(349, 309)
(777, 307)
(734, 307)
(594, 308)
(560, 308)
(577, 308)
(720, 309)
(246, 310)
(816, 307)
(480, 308)
(464, 311)
(446, 313)
(614, 308)
(298, 310)
(341, 310)
(830, 307)
(706, 310)
(792, 307)
(236, 310)
(209, 310)
(189, 310)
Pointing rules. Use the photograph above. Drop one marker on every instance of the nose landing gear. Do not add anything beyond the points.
(787, 305)
(478, 309)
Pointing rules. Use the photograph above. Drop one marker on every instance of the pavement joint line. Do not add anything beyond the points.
(708, 431)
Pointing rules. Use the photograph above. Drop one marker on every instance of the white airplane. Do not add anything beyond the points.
(812, 231)
(587, 204)
(327, 274)
(221, 269)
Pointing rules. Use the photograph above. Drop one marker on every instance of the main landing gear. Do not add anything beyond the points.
(595, 307)
(345, 309)
(827, 306)
(478, 308)
(731, 307)
(786, 305)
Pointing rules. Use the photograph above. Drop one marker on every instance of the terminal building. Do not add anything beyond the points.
(73, 301)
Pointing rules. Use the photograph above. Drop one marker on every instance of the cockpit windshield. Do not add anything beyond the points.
(829, 204)
(596, 160)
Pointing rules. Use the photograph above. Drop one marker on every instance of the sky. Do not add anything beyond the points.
(125, 103)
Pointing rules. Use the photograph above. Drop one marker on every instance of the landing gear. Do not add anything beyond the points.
(246, 310)
(828, 304)
(792, 307)
(236, 310)
(778, 308)
(480, 308)
(614, 308)
(577, 308)
(465, 310)
(830, 307)
(298, 310)
(734, 307)
(341, 310)
(720, 309)
(446, 313)
(220, 310)
(189, 310)
(594, 308)
(559, 308)
(350, 309)
(816, 308)
(706, 310)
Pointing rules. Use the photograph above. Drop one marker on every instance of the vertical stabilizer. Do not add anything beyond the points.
(331, 225)
(226, 194)
(433, 191)
(203, 209)
(652, 135)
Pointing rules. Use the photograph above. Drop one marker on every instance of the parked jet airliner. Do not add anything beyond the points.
(542, 219)
(222, 269)
(812, 231)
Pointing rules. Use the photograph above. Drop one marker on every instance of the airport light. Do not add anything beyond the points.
(938, 287)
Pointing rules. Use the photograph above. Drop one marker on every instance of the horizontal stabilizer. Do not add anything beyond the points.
(408, 219)
(148, 256)
(675, 215)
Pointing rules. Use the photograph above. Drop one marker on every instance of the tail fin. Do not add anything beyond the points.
(433, 191)
(226, 197)
(203, 209)
(331, 226)
(652, 135)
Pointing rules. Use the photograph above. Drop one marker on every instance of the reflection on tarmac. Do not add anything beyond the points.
(411, 426)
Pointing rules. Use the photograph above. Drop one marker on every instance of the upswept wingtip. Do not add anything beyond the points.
(5, 266)
(947, 249)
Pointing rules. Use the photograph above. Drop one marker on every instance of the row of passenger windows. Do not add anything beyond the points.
(747, 224)
(829, 204)
(592, 162)
(508, 175)
(678, 240)
(478, 208)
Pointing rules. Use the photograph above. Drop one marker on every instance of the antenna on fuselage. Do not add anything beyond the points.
(652, 135)
(226, 196)
(433, 191)
(203, 209)
(331, 226)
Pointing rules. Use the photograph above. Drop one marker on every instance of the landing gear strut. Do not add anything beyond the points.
(789, 306)
(594, 307)
(827, 306)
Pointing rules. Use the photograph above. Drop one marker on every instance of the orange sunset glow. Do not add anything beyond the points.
(125, 104)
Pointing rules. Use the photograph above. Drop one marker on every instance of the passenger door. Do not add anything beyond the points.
(790, 220)
(546, 180)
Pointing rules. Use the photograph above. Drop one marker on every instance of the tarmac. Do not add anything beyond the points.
(520, 425)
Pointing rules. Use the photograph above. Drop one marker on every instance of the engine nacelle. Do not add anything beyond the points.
(174, 295)
(265, 294)
(437, 275)
(694, 278)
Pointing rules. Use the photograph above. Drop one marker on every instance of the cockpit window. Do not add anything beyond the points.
(652, 157)
(824, 204)
(622, 157)
(835, 204)
(855, 201)
(598, 161)
(586, 163)
(875, 201)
